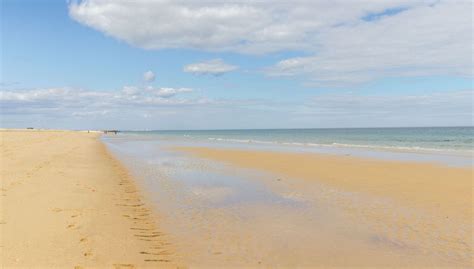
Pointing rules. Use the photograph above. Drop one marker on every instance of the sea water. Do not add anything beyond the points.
(449, 145)
(445, 139)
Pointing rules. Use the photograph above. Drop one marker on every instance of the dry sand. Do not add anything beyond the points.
(66, 203)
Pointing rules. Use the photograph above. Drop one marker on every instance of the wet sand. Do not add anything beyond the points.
(67, 203)
(411, 214)
(446, 189)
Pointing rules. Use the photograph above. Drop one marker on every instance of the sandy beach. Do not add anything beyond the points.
(67, 203)
(421, 209)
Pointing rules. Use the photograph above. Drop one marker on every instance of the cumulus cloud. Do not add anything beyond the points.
(58, 107)
(170, 92)
(213, 67)
(243, 26)
(149, 76)
(346, 41)
(81, 102)
(150, 91)
(423, 41)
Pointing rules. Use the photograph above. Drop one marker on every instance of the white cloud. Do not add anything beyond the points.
(90, 113)
(50, 95)
(135, 107)
(130, 90)
(447, 103)
(129, 107)
(243, 26)
(213, 67)
(404, 38)
(163, 92)
(149, 76)
(423, 41)
(449, 108)
(84, 102)
(170, 92)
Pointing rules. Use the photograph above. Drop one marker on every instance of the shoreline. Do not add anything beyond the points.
(447, 156)
(353, 147)
(67, 202)
(418, 140)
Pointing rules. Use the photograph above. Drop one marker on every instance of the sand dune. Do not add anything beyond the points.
(67, 203)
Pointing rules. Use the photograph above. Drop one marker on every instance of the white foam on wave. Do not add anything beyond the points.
(415, 149)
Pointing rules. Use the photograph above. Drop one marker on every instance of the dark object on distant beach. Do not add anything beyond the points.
(111, 131)
(30, 128)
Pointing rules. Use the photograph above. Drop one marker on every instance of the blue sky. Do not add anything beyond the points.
(80, 64)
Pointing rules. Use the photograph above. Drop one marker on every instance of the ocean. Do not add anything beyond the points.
(419, 139)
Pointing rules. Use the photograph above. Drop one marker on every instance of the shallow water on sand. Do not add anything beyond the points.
(217, 214)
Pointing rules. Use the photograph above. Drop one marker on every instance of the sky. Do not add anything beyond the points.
(149, 65)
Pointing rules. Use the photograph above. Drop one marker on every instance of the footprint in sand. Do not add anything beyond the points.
(124, 266)
(141, 229)
(160, 260)
(86, 187)
(163, 252)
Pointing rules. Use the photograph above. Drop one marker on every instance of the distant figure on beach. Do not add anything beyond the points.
(111, 131)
